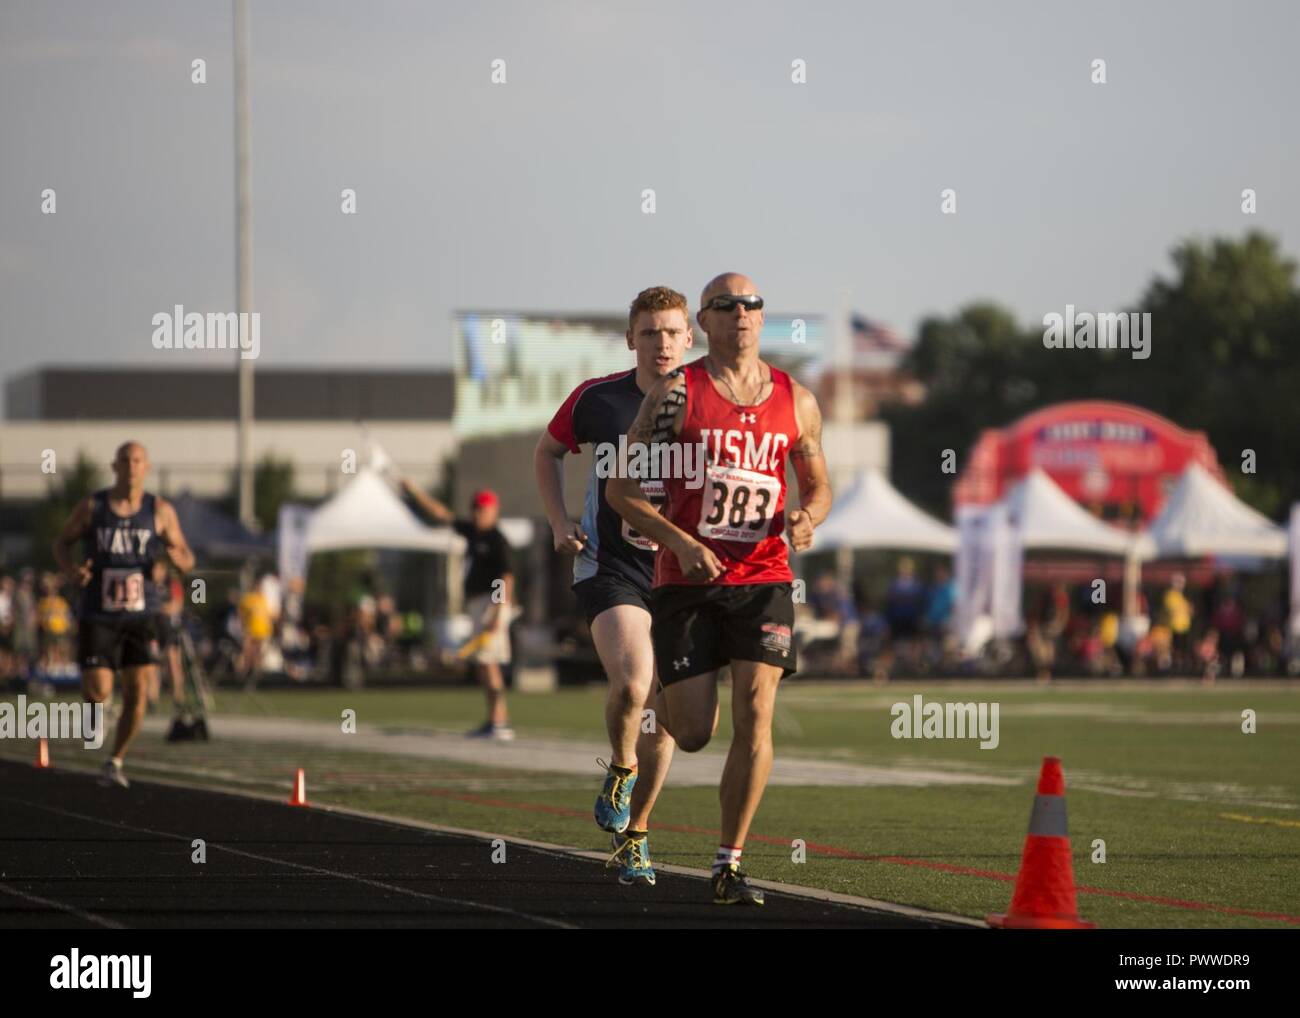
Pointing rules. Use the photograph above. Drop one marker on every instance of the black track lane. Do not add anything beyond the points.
(75, 855)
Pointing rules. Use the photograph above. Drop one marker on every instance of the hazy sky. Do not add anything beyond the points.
(527, 195)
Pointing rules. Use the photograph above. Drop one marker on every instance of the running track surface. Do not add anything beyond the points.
(75, 855)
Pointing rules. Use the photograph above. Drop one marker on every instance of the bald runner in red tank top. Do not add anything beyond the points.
(739, 510)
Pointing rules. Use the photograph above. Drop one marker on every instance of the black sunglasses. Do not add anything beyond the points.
(726, 302)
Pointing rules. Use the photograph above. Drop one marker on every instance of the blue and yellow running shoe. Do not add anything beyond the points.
(632, 857)
(614, 804)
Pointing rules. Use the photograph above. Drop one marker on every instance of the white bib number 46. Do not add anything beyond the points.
(738, 504)
(122, 590)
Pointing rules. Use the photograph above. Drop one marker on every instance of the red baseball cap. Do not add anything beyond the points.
(485, 498)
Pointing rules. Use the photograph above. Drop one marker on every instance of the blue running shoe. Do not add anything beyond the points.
(632, 857)
(614, 804)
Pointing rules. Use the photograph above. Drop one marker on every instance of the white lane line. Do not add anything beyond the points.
(89, 917)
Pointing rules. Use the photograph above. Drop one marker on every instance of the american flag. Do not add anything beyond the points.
(871, 336)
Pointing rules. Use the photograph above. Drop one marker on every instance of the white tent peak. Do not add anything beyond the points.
(871, 513)
(1046, 517)
(1203, 517)
(368, 514)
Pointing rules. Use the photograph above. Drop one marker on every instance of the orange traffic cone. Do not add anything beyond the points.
(42, 754)
(1044, 895)
(299, 797)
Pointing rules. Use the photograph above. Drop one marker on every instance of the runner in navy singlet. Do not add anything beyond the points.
(124, 528)
(614, 568)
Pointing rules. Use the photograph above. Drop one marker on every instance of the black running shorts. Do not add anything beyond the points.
(698, 628)
(165, 632)
(607, 590)
(117, 643)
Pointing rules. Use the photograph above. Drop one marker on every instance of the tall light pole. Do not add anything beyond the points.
(243, 261)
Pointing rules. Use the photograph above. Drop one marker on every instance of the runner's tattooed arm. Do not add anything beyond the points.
(810, 470)
(658, 420)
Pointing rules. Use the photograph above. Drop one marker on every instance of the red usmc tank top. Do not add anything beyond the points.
(735, 502)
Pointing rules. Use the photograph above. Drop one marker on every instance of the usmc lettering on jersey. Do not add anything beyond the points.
(122, 540)
(744, 449)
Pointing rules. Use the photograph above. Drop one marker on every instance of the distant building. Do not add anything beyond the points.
(514, 368)
(187, 420)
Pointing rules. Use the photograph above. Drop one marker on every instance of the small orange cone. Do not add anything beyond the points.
(299, 789)
(1044, 895)
(42, 754)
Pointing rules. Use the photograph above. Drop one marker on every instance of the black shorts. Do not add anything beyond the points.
(607, 590)
(699, 628)
(165, 632)
(118, 643)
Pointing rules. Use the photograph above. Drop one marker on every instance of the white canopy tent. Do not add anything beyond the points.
(368, 514)
(1202, 517)
(1044, 516)
(872, 513)
(1035, 515)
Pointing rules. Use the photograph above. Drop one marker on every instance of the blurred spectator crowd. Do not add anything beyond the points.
(911, 631)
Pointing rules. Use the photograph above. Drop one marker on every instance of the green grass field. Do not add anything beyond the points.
(1201, 822)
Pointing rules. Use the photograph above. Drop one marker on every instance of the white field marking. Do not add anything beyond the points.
(321, 870)
(371, 781)
(89, 917)
(1222, 792)
(571, 756)
(1064, 708)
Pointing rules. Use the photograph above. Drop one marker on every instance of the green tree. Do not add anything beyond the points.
(1224, 329)
(272, 486)
(68, 488)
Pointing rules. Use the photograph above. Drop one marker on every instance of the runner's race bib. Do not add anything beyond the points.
(738, 504)
(122, 590)
(653, 490)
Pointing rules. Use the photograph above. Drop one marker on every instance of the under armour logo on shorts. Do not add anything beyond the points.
(680, 663)
(748, 418)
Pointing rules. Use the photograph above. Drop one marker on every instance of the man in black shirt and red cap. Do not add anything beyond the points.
(489, 595)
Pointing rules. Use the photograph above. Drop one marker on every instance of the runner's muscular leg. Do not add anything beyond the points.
(749, 761)
(622, 637)
(135, 689)
(654, 750)
(97, 685)
(689, 710)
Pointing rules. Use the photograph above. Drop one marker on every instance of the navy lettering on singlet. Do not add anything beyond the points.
(121, 550)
